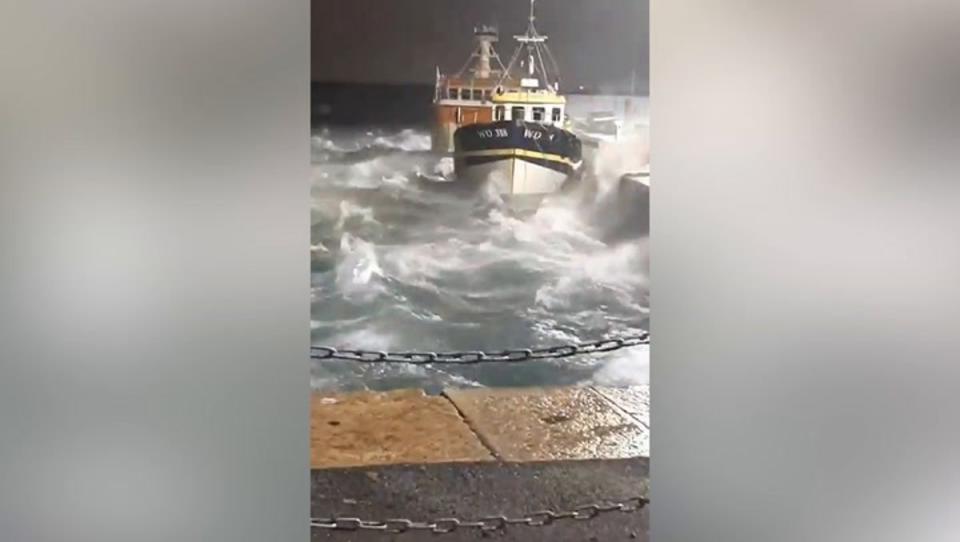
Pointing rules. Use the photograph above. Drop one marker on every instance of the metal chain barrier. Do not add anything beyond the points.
(471, 357)
(489, 523)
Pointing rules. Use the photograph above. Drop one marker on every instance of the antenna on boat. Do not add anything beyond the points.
(531, 36)
(536, 48)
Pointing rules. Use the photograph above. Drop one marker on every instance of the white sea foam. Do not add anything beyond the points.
(444, 167)
(370, 336)
(401, 267)
(358, 268)
(323, 142)
(626, 367)
(406, 140)
(350, 210)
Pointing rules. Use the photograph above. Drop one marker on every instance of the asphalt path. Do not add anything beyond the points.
(470, 491)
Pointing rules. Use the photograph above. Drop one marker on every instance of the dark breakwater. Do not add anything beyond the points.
(385, 105)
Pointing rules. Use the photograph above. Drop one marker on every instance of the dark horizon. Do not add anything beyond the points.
(607, 89)
(598, 44)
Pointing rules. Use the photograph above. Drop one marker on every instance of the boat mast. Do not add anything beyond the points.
(535, 46)
(484, 62)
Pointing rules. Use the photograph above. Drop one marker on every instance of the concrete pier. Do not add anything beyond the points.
(508, 424)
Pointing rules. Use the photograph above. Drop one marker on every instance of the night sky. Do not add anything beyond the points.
(595, 42)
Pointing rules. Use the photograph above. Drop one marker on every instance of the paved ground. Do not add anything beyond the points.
(513, 424)
(472, 490)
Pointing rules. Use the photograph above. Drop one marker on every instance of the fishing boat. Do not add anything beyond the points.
(505, 124)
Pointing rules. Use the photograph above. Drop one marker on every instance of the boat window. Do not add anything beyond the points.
(499, 112)
(477, 93)
(464, 94)
(487, 94)
(556, 114)
(517, 112)
(538, 113)
(453, 93)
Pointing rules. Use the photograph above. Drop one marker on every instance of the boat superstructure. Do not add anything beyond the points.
(486, 90)
(467, 96)
(507, 124)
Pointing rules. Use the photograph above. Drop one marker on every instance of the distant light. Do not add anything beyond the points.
(580, 87)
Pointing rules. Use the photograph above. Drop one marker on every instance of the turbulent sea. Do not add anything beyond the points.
(401, 263)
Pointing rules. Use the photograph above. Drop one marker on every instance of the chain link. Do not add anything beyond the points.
(472, 357)
(490, 523)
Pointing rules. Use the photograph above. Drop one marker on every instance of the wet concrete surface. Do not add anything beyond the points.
(541, 424)
(633, 401)
(511, 424)
(475, 490)
(376, 428)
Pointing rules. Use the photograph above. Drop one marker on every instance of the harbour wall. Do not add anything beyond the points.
(352, 104)
(634, 108)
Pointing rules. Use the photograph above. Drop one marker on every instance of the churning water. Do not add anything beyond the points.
(400, 263)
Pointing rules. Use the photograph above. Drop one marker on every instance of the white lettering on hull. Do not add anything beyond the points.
(492, 133)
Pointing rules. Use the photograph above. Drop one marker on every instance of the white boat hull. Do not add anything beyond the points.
(514, 177)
